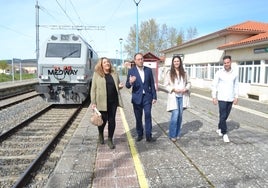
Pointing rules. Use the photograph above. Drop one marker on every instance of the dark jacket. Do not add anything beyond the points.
(138, 87)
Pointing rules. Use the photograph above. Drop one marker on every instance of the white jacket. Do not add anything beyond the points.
(171, 99)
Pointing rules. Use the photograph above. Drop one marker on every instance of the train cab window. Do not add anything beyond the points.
(91, 54)
(63, 50)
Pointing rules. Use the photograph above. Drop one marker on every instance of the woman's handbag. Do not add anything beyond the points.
(96, 118)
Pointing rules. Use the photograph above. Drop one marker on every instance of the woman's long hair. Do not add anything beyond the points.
(99, 68)
(173, 74)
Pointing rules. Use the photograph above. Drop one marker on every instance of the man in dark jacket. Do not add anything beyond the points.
(141, 79)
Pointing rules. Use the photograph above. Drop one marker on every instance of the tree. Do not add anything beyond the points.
(130, 45)
(3, 64)
(191, 33)
(154, 38)
(163, 37)
(149, 36)
(180, 37)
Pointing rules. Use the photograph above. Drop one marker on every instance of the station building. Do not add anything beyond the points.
(247, 43)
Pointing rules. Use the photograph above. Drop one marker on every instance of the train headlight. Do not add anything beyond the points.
(44, 77)
(81, 78)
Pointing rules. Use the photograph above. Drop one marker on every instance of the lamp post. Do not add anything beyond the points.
(137, 26)
(121, 41)
(116, 51)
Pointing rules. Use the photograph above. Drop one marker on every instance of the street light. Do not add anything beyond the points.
(121, 41)
(137, 27)
(116, 60)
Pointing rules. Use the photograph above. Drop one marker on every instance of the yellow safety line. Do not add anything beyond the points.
(141, 176)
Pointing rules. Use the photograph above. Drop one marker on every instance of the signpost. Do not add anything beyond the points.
(14, 60)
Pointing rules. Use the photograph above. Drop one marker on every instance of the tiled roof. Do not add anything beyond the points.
(150, 57)
(258, 31)
(250, 26)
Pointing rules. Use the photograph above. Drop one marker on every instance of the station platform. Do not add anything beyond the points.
(199, 158)
(86, 163)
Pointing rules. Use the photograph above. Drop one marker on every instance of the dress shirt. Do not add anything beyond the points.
(225, 85)
(141, 72)
(179, 84)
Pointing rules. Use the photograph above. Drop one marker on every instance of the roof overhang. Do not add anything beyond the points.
(208, 37)
(253, 44)
(247, 28)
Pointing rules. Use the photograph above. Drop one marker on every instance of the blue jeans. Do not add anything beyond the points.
(224, 111)
(176, 120)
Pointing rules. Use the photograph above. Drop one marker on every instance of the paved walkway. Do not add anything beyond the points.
(85, 163)
(199, 159)
(115, 168)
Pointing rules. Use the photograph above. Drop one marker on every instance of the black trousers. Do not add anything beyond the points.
(109, 116)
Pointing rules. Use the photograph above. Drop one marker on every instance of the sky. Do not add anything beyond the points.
(18, 20)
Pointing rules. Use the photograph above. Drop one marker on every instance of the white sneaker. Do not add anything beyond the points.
(225, 138)
(219, 132)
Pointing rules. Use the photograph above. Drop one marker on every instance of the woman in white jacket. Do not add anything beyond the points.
(177, 85)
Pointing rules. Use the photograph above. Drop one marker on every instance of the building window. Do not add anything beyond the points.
(188, 70)
(214, 67)
(266, 72)
(249, 71)
(201, 71)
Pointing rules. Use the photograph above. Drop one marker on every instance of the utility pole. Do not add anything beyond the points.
(137, 25)
(121, 53)
(37, 29)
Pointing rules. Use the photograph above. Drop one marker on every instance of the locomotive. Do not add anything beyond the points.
(65, 68)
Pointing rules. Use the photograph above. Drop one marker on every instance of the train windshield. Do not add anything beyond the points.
(63, 50)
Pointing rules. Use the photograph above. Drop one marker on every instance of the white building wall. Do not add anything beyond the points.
(207, 52)
(247, 54)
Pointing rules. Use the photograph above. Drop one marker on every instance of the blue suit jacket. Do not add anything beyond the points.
(138, 87)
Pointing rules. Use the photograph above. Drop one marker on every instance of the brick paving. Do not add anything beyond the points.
(115, 168)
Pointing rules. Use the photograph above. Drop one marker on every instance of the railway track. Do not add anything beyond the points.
(26, 146)
(12, 100)
(16, 88)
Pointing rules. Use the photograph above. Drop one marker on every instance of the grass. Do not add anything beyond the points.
(6, 78)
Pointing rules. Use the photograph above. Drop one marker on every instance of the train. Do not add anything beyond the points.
(65, 68)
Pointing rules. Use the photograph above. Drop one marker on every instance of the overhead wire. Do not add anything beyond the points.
(70, 17)
(64, 11)
(76, 12)
(15, 31)
(77, 16)
(114, 12)
(47, 12)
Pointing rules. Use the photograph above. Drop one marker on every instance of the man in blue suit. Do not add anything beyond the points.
(141, 79)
